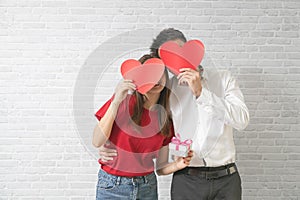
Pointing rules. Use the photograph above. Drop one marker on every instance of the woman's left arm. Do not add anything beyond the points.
(163, 167)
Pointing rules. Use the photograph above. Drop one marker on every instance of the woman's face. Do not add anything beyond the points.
(160, 85)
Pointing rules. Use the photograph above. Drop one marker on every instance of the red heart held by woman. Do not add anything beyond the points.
(188, 56)
(144, 76)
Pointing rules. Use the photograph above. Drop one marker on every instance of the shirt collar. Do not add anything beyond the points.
(204, 74)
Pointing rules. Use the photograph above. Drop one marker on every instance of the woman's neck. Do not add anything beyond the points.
(151, 99)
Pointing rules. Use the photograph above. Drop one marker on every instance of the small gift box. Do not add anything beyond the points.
(178, 147)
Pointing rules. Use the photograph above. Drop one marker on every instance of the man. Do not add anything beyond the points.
(210, 106)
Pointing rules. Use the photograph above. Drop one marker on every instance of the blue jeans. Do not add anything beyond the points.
(124, 188)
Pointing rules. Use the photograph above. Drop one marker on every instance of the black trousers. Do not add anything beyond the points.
(187, 186)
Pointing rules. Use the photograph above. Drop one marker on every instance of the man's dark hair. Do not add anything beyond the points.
(164, 36)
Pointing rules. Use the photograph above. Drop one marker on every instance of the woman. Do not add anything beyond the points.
(140, 128)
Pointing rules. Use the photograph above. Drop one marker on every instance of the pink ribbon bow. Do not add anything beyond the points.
(177, 141)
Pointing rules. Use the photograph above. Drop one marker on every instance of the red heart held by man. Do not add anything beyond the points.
(144, 76)
(188, 56)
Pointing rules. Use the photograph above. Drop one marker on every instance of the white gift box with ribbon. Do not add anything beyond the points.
(178, 147)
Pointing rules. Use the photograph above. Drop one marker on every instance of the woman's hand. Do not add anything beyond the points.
(122, 90)
(183, 162)
(103, 129)
(165, 168)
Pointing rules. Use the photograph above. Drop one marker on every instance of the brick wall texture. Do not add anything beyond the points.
(52, 80)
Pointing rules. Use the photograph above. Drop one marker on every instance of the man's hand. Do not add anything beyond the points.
(192, 78)
(107, 153)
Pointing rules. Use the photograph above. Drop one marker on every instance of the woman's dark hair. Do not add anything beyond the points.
(164, 36)
(164, 113)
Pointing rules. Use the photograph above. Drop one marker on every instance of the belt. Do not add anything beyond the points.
(210, 172)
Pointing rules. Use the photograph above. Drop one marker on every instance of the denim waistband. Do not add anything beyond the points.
(129, 180)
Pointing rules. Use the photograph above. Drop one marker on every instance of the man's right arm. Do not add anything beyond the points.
(107, 152)
(231, 108)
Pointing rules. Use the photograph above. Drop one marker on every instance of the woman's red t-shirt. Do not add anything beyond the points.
(136, 146)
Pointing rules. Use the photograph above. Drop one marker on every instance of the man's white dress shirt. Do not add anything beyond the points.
(209, 119)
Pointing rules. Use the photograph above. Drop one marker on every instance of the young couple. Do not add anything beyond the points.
(140, 127)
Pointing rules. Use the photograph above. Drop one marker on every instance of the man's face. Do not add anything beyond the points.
(178, 41)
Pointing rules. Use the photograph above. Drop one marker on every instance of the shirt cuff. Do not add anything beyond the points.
(205, 97)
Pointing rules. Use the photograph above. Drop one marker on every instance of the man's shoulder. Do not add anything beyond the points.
(220, 78)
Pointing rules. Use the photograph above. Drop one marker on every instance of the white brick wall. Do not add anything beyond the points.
(46, 45)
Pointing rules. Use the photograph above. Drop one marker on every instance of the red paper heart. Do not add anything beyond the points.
(144, 76)
(188, 56)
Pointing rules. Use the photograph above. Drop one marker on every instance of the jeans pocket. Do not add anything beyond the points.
(106, 181)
